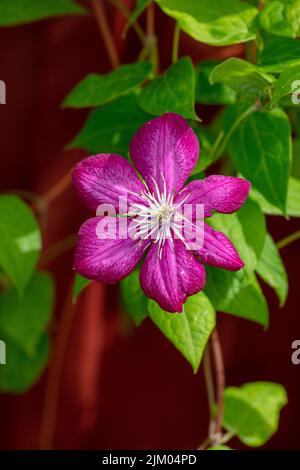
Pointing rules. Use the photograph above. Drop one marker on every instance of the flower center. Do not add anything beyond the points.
(165, 214)
(159, 219)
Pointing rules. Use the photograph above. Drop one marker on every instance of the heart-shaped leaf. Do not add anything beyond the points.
(189, 331)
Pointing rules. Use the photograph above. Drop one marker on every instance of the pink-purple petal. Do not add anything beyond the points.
(103, 178)
(225, 194)
(165, 148)
(173, 277)
(106, 260)
(219, 251)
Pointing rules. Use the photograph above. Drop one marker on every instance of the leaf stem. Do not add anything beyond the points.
(105, 32)
(204, 444)
(226, 437)
(287, 240)
(220, 379)
(176, 39)
(214, 148)
(136, 26)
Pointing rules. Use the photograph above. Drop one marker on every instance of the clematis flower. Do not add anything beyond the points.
(164, 151)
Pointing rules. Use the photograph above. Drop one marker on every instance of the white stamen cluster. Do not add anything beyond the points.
(159, 219)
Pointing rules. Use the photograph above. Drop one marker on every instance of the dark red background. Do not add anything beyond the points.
(120, 387)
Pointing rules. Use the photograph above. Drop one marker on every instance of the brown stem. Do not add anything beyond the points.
(150, 19)
(29, 196)
(58, 189)
(220, 379)
(54, 374)
(105, 32)
(58, 248)
(209, 388)
(204, 444)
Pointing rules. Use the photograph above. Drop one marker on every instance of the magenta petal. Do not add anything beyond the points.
(225, 194)
(106, 260)
(101, 179)
(172, 278)
(165, 146)
(218, 251)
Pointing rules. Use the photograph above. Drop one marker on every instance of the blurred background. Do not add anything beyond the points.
(117, 386)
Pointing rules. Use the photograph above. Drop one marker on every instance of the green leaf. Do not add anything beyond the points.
(24, 319)
(293, 200)
(80, 283)
(271, 269)
(135, 301)
(295, 171)
(237, 294)
(14, 12)
(20, 240)
(205, 158)
(279, 53)
(109, 129)
(206, 93)
(214, 22)
(261, 151)
(281, 18)
(252, 411)
(219, 447)
(246, 229)
(21, 371)
(173, 92)
(95, 90)
(243, 77)
(203, 162)
(189, 331)
(287, 83)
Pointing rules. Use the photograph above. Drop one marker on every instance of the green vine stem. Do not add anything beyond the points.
(136, 26)
(151, 41)
(289, 239)
(217, 142)
(176, 39)
(222, 140)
